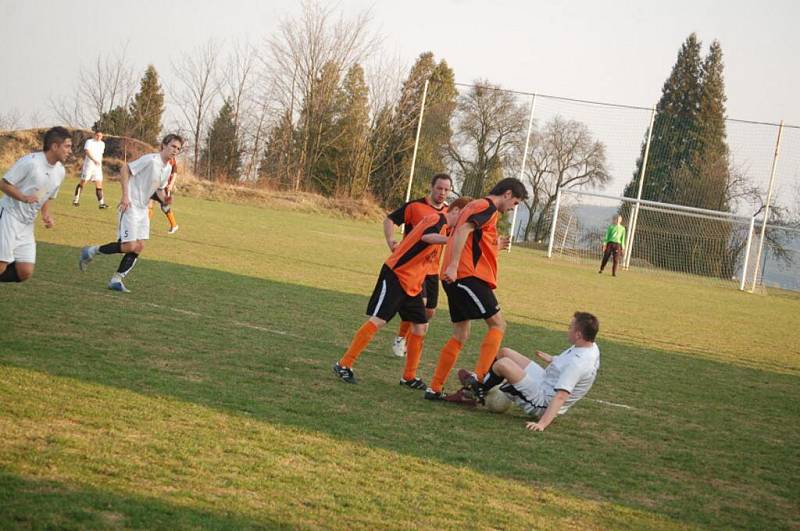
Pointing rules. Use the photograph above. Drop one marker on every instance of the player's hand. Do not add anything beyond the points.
(167, 199)
(392, 245)
(30, 199)
(451, 273)
(124, 204)
(48, 221)
(542, 355)
(534, 426)
(504, 243)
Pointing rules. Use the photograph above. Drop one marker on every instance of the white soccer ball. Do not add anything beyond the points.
(497, 401)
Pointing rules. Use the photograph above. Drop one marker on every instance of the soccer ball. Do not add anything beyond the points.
(497, 401)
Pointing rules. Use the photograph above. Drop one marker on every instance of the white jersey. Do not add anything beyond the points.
(148, 174)
(574, 371)
(96, 148)
(32, 175)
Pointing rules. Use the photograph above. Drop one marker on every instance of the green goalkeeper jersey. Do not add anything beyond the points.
(615, 234)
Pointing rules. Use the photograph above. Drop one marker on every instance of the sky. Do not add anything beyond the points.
(611, 51)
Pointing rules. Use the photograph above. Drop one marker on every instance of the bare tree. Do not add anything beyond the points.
(10, 120)
(489, 124)
(296, 56)
(198, 87)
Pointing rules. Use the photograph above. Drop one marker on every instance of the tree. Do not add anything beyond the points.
(115, 122)
(221, 156)
(277, 165)
(490, 124)
(147, 108)
(563, 155)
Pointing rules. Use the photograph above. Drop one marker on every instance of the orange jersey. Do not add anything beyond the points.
(411, 260)
(412, 213)
(479, 257)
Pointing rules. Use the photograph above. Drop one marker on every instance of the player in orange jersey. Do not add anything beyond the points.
(469, 273)
(409, 215)
(399, 290)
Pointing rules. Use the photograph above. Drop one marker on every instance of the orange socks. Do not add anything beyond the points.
(413, 355)
(359, 343)
(489, 349)
(171, 219)
(447, 359)
(405, 329)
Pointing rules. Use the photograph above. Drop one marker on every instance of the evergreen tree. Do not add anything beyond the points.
(316, 130)
(116, 122)
(280, 154)
(147, 108)
(221, 156)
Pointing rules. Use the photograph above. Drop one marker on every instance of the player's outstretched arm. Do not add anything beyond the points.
(459, 241)
(434, 239)
(388, 233)
(550, 413)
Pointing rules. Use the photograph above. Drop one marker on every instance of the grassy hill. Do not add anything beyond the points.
(205, 397)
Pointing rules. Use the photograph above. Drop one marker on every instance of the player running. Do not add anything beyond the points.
(29, 186)
(409, 215)
(140, 179)
(92, 170)
(399, 290)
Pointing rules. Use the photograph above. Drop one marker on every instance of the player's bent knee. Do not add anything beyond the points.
(505, 352)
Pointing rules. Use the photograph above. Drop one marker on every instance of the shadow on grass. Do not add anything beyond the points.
(35, 503)
(263, 349)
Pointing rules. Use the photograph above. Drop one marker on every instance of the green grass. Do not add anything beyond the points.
(205, 397)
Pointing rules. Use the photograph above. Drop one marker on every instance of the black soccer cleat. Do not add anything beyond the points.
(469, 381)
(430, 394)
(344, 374)
(416, 383)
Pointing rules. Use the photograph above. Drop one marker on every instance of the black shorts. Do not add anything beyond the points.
(470, 298)
(430, 291)
(388, 299)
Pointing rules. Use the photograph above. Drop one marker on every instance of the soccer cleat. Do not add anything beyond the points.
(345, 374)
(173, 230)
(469, 381)
(399, 347)
(85, 258)
(75, 203)
(430, 394)
(103, 205)
(117, 285)
(460, 397)
(416, 383)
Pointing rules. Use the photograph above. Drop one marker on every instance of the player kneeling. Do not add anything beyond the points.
(545, 392)
(399, 290)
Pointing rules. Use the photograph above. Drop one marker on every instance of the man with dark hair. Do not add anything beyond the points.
(139, 179)
(28, 187)
(399, 290)
(613, 244)
(469, 273)
(549, 392)
(409, 215)
(92, 170)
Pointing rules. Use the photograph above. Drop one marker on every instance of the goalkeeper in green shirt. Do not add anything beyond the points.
(613, 245)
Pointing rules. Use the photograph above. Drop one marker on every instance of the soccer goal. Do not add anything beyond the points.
(663, 239)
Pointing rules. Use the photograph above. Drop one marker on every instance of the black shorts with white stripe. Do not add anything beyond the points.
(470, 298)
(389, 299)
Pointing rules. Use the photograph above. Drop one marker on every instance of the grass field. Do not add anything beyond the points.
(205, 397)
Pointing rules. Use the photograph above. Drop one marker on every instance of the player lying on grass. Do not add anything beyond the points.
(28, 187)
(399, 290)
(545, 392)
(140, 179)
(409, 215)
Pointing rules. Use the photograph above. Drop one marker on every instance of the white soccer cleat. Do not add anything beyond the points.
(173, 230)
(85, 258)
(117, 285)
(399, 347)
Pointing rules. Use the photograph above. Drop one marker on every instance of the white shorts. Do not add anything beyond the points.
(93, 173)
(16, 239)
(530, 391)
(134, 224)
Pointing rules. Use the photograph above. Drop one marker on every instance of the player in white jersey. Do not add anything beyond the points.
(28, 187)
(93, 150)
(140, 179)
(546, 392)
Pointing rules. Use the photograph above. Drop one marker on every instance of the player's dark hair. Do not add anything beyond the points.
(510, 183)
(170, 137)
(587, 324)
(461, 202)
(54, 135)
(441, 176)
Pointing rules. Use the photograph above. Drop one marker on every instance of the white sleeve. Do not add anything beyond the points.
(19, 170)
(569, 377)
(87, 144)
(140, 164)
(102, 148)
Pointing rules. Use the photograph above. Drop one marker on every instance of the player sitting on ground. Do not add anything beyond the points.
(546, 393)
(399, 290)
(28, 187)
